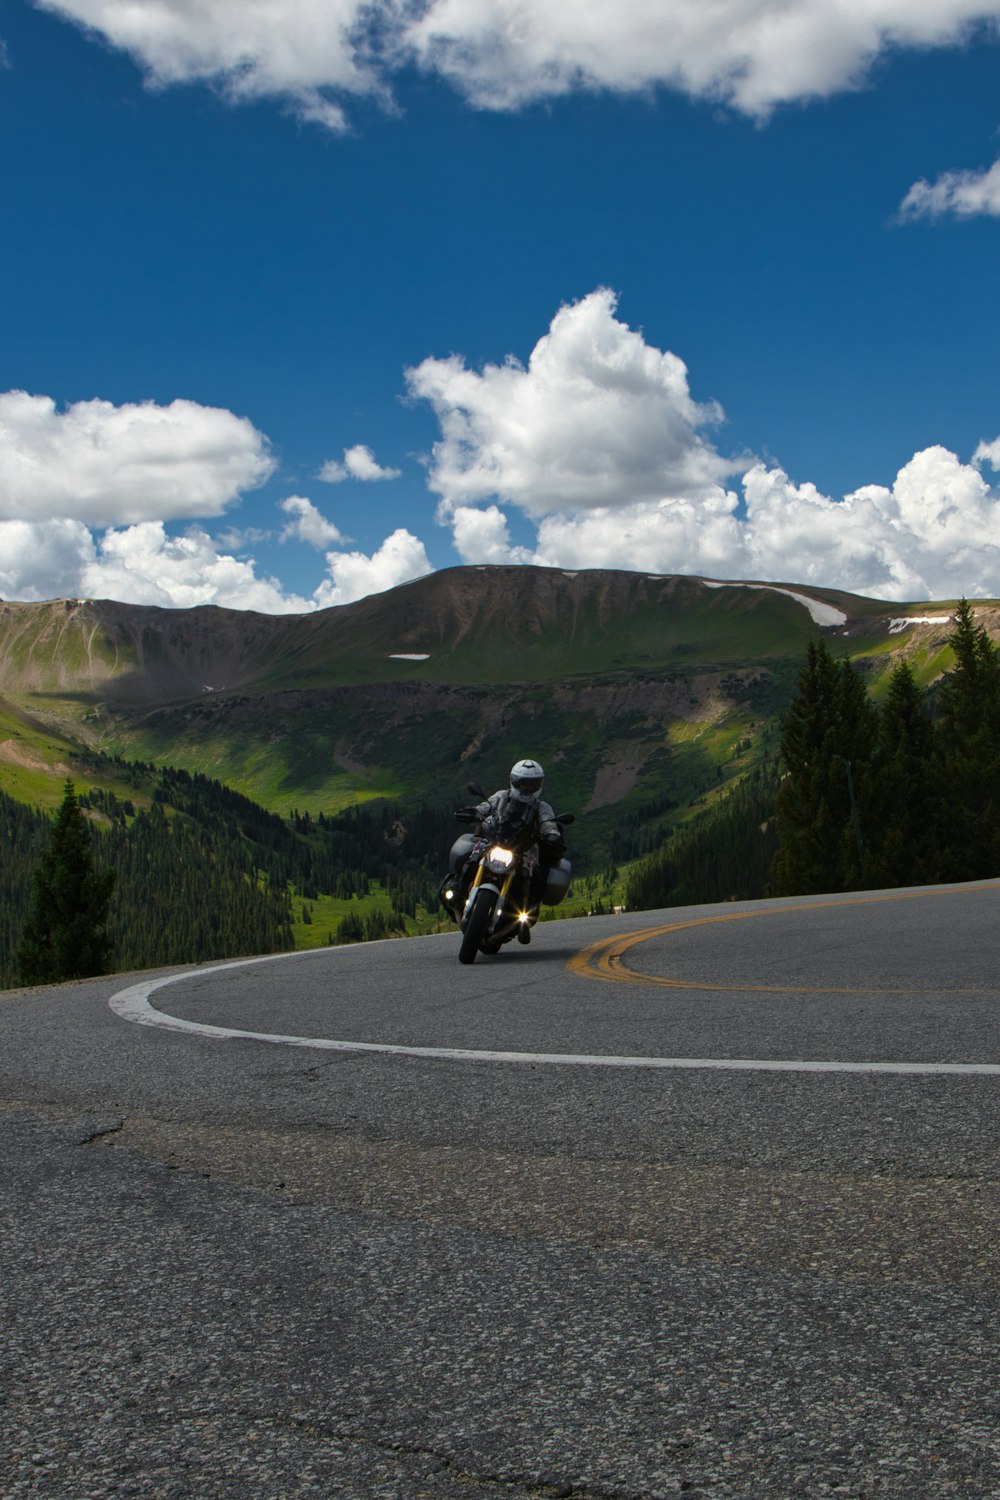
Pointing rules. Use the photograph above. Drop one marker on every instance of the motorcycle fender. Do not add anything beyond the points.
(481, 885)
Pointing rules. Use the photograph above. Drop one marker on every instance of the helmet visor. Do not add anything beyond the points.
(530, 785)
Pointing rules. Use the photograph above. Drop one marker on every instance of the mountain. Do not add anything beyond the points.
(641, 694)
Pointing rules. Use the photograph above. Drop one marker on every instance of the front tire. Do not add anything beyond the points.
(475, 927)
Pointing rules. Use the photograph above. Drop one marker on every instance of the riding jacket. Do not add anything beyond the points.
(549, 835)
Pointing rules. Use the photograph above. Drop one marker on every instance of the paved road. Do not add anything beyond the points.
(681, 1260)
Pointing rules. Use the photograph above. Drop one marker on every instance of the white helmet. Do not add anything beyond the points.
(526, 779)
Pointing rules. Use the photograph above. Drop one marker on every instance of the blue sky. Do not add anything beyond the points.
(294, 311)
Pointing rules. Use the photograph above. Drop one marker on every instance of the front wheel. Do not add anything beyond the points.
(475, 927)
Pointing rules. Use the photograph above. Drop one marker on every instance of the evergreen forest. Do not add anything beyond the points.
(201, 872)
(866, 795)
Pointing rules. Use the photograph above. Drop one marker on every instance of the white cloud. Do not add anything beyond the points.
(666, 536)
(305, 52)
(105, 464)
(750, 54)
(964, 195)
(312, 54)
(353, 575)
(483, 536)
(359, 463)
(43, 559)
(597, 442)
(138, 564)
(988, 453)
(308, 524)
(934, 534)
(597, 418)
(142, 564)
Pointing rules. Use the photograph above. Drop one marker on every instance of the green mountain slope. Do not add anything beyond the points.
(636, 691)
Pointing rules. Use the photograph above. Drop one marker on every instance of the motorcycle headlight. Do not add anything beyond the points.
(500, 858)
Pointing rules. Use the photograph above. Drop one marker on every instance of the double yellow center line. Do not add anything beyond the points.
(606, 959)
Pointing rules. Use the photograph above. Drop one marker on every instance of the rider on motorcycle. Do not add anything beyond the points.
(522, 801)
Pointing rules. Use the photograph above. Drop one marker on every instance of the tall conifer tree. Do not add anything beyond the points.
(968, 737)
(827, 747)
(65, 936)
(902, 822)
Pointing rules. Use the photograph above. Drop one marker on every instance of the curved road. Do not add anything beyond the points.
(697, 1202)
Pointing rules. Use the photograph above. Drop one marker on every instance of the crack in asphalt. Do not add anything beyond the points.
(537, 1486)
(103, 1132)
(871, 1226)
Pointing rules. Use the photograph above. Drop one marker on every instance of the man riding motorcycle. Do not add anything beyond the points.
(524, 792)
(519, 805)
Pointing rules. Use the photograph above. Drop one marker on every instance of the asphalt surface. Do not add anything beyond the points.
(240, 1268)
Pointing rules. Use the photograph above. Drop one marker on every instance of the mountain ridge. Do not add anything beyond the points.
(636, 688)
(444, 612)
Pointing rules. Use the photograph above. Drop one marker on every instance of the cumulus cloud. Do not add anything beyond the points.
(666, 536)
(597, 442)
(105, 464)
(359, 463)
(307, 53)
(142, 564)
(960, 195)
(988, 453)
(935, 533)
(501, 54)
(43, 559)
(750, 54)
(353, 575)
(308, 524)
(138, 564)
(483, 536)
(131, 470)
(597, 417)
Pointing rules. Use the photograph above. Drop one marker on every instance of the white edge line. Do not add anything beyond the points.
(133, 1005)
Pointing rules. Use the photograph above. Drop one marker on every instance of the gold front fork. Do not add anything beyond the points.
(508, 879)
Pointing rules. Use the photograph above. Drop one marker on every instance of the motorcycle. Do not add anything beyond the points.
(486, 892)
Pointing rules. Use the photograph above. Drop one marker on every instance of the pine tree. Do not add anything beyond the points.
(65, 936)
(901, 815)
(851, 771)
(827, 746)
(968, 759)
(351, 929)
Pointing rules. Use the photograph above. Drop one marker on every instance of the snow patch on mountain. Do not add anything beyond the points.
(900, 624)
(823, 614)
